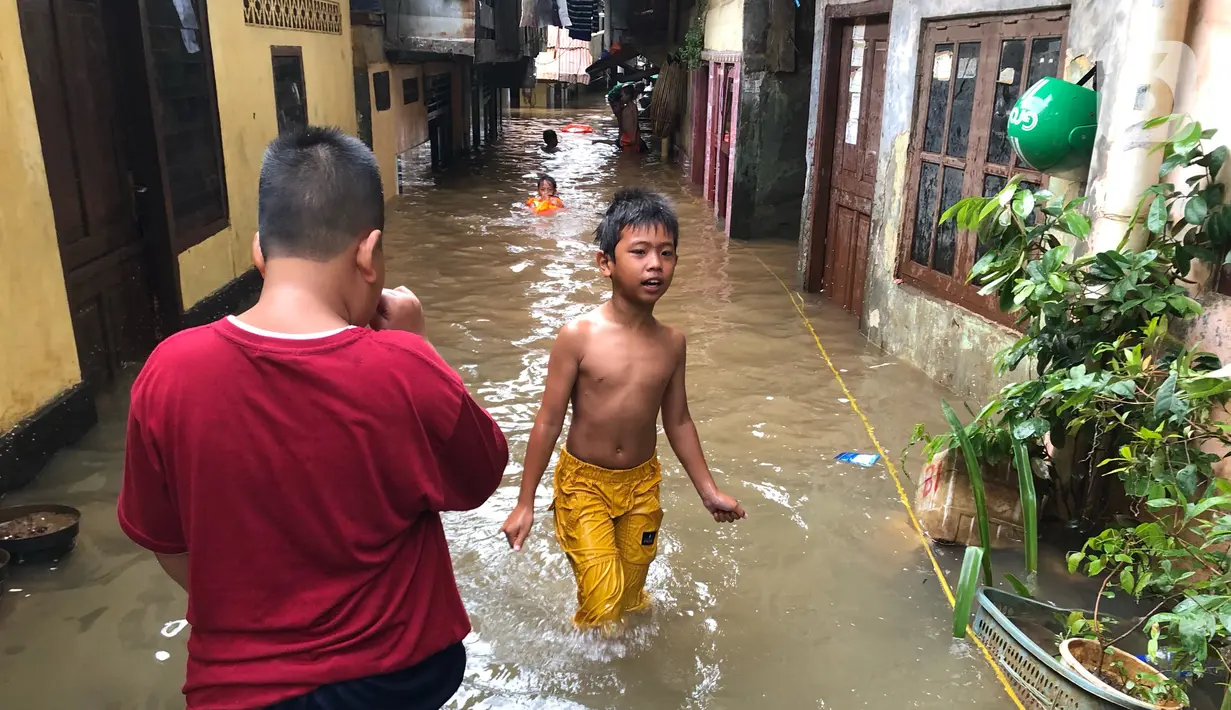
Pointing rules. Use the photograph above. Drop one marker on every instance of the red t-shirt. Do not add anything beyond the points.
(304, 478)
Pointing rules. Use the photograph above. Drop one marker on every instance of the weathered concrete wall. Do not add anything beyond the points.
(724, 26)
(1206, 99)
(773, 132)
(949, 343)
(770, 174)
(402, 126)
(432, 19)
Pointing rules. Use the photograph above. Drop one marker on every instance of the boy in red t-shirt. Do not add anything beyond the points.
(288, 466)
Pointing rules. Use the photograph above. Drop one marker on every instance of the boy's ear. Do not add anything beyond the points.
(258, 257)
(604, 263)
(366, 255)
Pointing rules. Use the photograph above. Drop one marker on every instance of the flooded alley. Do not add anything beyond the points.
(822, 598)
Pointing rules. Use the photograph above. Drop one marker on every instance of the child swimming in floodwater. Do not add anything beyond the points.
(545, 201)
(551, 142)
(620, 368)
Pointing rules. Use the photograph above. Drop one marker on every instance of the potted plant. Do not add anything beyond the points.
(1110, 374)
(1122, 673)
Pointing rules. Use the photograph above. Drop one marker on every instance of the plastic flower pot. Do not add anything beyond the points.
(1084, 655)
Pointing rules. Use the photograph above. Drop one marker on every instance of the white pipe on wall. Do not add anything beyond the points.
(1145, 88)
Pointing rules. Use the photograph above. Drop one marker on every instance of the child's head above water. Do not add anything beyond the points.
(550, 139)
(546, 186)
(637, 240)
(320, 202)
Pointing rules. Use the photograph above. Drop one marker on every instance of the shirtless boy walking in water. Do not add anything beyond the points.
(619, 367)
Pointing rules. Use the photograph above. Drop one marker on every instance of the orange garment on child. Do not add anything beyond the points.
(607, 524)
(541, 206)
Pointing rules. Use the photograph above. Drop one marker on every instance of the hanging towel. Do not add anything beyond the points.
(582, 20)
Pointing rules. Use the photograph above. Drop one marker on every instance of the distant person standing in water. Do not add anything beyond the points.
(551, 142)
(625, 108)
(288, 466)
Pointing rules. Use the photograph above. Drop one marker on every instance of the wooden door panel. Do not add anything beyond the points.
(878, 58)
(861, 88)
(90, 332)
(838, 269)
(38, 29)
(859, 268)
(100, 179)
(101, 249)
(853, 200)
(832, 247)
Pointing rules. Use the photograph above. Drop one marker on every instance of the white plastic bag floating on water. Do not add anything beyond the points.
(865, 460)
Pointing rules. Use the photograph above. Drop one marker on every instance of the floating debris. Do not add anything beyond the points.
(865, 460)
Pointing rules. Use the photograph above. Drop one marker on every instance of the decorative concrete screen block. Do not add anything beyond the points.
(946, 506)
(305, 15)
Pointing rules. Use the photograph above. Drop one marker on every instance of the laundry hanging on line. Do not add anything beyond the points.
(579, 17)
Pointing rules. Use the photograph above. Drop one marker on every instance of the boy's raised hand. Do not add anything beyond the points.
(517, 527)
(399, 309)
(724, 508)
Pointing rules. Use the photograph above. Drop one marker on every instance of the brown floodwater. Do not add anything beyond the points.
(822, 598)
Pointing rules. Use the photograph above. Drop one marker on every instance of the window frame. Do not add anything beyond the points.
(378, 78)
(991, 32)
(406, 99)
(185, 235)
(292, 52)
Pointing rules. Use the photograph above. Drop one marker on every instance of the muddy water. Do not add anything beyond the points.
(821, 599)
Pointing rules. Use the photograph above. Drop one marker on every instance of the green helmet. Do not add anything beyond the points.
(1052, 128)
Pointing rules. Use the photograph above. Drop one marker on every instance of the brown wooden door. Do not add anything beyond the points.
(861, 90)
(88, 177)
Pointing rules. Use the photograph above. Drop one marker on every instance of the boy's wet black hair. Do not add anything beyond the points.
(319, 192)
(635, 207)
(549, 137)
(548, 179)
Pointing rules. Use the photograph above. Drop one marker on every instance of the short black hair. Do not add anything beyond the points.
(549, 137)
(635, 207)
(548, 179)
(319, 191)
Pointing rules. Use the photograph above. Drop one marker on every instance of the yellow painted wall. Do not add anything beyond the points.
(38, 355)
(724, 26)
(243, 73)
(400, 128)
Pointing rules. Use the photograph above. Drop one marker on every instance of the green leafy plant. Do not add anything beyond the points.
(967, 584)
(1077, 626)
(1111, 380)
(694, 40)
(976, 484)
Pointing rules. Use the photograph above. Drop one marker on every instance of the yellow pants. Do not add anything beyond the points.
(607, 522)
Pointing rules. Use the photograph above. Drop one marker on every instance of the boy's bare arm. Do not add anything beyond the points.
(562, 367)
(682, 433)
